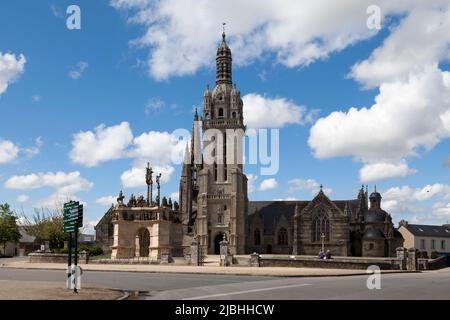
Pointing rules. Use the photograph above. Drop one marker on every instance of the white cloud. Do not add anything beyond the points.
(421, 39)
(135, 177)
(56, 201)
(154, 105)
(106, 201)
(263, 112)
(36, 98)
(286, 199)
(160, 148)
(251, 181)
(89, 226)
(175, 196)
(408, 200)
(8, 151)
(65, 186)
(308, 185)
(11, 67)
(268, 184)
(104, 144)
(406, 117)
(442, 211)
(23, 198)
(297, 33)
(77, 73)
(380, 171)
(35, 150)
(64, 183)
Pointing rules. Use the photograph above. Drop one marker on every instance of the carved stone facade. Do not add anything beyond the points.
(146, 232)
(345, 227)
(214, 204)
(213, 187)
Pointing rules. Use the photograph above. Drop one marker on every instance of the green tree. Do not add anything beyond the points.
(47, 225)
(9, 231)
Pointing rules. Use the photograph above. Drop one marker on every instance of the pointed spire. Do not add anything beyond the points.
(224, 62)
(187, 161)
(375, 188)
(196, 148)
(196, 114)
(296, 210)
(223, 33)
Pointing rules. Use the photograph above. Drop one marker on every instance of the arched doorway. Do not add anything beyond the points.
(269, 249)
(217, 240)
(143, 243)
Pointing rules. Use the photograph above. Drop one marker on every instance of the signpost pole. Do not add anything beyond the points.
(73, 219)
(75, 258)
(69, 261)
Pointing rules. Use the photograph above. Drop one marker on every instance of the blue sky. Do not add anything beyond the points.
(139, 67)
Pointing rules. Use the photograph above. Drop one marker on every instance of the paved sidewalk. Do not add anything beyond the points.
(209, 269)
(40, 290)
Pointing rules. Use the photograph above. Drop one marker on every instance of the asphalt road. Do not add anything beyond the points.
(426, 285)
(132, 281)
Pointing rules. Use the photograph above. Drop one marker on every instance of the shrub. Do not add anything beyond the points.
(435, 255)
(93, 250)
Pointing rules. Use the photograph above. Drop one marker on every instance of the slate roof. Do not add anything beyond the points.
(428, 230)
(375, 216)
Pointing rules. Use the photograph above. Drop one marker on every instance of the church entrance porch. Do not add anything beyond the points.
(217, 240)
(142, 243)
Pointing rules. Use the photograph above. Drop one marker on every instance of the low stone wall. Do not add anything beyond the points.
(433, 264)
(334, 263)
(45, 257)
(137, 260)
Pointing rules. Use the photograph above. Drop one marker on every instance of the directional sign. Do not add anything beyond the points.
(73, 216)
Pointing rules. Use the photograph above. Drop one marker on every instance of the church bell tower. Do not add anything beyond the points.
(222, 186)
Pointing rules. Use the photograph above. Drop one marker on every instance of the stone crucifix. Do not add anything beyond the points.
(158, 183)
(322, 236)
(149, 181)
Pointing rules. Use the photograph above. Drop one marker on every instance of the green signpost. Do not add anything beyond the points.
(73, 220)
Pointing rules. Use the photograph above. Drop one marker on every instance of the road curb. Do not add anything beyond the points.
(229, 273)
(125, 294)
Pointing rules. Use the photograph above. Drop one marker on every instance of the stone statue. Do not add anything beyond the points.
(120, 198)
(132, 201)
(149, 181)
(158, 183)
(176, 206)
(141, 201)
(164, 202)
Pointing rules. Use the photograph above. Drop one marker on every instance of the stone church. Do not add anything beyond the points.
(214, 203)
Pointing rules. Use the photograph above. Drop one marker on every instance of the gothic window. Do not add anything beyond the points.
(234, 115)
(282, 237)
(225, 166)
(220, 112)
(215, 171)
(257, 237)
(321, 226)
(220, 218)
